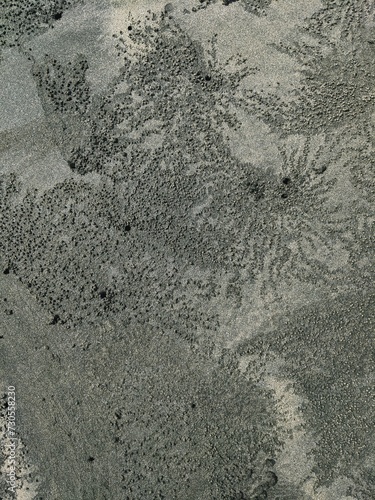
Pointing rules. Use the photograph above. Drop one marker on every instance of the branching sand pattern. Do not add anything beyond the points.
(213, 310)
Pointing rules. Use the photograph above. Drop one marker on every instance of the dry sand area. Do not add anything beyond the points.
(187, 249)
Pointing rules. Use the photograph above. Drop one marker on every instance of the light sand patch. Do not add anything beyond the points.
(26, 489)
(19, 101)
(31, 154)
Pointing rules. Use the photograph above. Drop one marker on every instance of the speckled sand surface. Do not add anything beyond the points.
(187, 249)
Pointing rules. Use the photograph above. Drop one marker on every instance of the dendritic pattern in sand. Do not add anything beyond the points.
(187, 207)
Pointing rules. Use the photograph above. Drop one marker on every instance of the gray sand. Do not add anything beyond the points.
(186, 249)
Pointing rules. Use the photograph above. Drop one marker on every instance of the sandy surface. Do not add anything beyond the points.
(186, 249)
